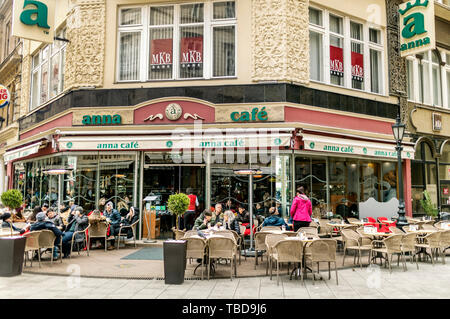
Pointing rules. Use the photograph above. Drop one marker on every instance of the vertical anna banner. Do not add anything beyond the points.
(357, 66)
(336, 61)
(161, 53)
(192, 51)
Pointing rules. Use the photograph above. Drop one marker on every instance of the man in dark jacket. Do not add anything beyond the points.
(274, 219)
(78, 221)
(41, 224)
(130, 219)
(113, 217)
(7, 223)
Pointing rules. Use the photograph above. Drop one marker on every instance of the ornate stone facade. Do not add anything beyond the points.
(280, 40)
(86, 26)
(397, 65)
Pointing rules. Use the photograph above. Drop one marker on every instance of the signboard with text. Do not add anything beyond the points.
(417, 32)
(191, 51)
(357, 66)
(5, 96)
(34, 20)
(161, 53)
(336, 61)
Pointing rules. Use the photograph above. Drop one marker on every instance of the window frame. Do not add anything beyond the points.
(326, 34)
(52, 51)
(145, 28)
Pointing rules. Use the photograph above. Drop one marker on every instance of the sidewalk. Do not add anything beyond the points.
(427, 282)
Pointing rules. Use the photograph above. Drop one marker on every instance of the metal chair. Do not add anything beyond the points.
(392, 245)
(222, 248)
(85, 241)
(32, 244)
(353, 241)
(47, 241)
(98, 230)
(196, 249)
(323, 250)
(287, 251)
(270, 241)
(133, 229)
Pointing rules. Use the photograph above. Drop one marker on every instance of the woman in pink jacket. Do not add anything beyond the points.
(301, 209)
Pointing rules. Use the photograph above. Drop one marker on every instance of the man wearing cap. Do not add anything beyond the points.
(78, 221)
(42, 224)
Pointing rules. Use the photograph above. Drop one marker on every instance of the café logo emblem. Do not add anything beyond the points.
(173, 112)
(5, 96)
(35, 15)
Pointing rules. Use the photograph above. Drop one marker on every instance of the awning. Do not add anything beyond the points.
(22, 152)
(327, 144)
(170, 142)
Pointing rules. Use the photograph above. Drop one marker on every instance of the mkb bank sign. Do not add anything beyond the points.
(34, 20)
(416, 27)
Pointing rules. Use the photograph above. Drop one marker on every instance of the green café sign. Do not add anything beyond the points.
(101, 119)
(35, 14)
(34, 20)
(416, 27)
(255, 115)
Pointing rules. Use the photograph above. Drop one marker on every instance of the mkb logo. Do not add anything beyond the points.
(36, 13)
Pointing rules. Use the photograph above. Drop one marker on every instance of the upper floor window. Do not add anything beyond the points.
(7, 39)
(344, 52)
(428, 81)
(185, 41)
(47, 73)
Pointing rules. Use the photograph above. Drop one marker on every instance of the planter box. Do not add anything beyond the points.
(12, 252)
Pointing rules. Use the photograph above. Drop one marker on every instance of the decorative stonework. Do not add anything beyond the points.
(396, 65)
(280, 40)
(86, 26)
(26, 83)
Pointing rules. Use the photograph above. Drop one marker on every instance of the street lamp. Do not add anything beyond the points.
(250, 172)
(398, 130)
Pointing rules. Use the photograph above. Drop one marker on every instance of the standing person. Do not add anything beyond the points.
(301, 209)
(190, 213)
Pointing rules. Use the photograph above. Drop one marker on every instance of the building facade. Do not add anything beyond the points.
(154, 97)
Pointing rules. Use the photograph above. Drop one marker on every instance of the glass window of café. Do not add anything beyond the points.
(340, 184)
(271, 188)
(423, 177)
(444, 178)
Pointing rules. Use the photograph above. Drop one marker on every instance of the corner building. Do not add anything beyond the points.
(146, 97)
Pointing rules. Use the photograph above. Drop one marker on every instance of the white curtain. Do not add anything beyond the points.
(316, 56)
(224, 51)
(130, 43)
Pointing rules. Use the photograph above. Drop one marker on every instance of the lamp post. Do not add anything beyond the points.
(250, 173)
(399, 130)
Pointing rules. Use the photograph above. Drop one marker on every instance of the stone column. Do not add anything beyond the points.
(280, 40)
(85, 53)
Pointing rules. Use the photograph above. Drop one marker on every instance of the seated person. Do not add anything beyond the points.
(41, 223)
(32, 218)
(113, 218)
(203, 220)
(243, 216)
(78, 221)
(52, 216)
(274, 219)
(130, 219)
(95, 217)
(230, 222)
(8, 223)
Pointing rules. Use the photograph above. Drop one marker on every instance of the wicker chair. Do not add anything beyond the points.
(223, 248)
(269, 228)
(309, 231)
(178, 233)
(324, 229)
(98, 230)
(47, 241)
(260, 245)
(323, 250)
(126, 227)
(85, 241)
(314, 224)
(270, 241)
(353, 241)
(392, 245)
(196, 248)
(432, 241)
(32, 244)
(444, 241)
(397, 231)
(288, 251)
(190, 233)
(409, 242)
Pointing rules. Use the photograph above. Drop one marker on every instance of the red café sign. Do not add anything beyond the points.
(161, 53)
(191, 51)
(336, 61)
(357, 66)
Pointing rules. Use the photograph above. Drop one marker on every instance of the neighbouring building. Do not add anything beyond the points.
(140, 97)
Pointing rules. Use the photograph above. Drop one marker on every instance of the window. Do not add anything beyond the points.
(432, 80)
(355, 52)
(47, 74)
(186, 41)
(7, 39)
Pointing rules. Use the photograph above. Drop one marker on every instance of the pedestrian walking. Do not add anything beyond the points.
(301, 209)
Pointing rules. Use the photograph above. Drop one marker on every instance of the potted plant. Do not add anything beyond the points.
(428, 206)
(178, 204)
(12, 199)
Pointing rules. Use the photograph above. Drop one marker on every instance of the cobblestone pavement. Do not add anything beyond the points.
(374, 282)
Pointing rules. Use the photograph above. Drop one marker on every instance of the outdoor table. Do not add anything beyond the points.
(306, 241)
(8, 233)
(420, 234)
(378, 236)
(208, 235)
(359, 223)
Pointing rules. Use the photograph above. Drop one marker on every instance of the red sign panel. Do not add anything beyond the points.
(336, 61)
(357, 66)
(192, 50)
(161, 52)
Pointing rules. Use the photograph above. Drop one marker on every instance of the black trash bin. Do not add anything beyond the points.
(12, 250)
(174, 261)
